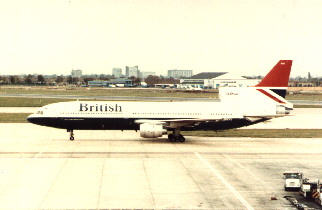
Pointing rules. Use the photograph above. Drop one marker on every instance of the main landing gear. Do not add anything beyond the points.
(71, 134)
(176, 136)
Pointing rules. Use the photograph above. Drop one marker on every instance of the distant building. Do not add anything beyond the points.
(121, 82)
(132, 71)
(215, 80)
(177, 74)
(145, 74)
(117, 72)
(231, 80)
(76, 73)
(98, 83)
(199, 80)
(111, 83)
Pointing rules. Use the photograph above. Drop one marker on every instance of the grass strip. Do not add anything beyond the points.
(305, 96)
(134, 92)
(14, 117)
(29, 102)
(308, 106)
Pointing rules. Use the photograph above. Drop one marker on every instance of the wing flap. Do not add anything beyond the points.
(254, 118)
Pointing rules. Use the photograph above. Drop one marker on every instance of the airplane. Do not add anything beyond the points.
(238, 107)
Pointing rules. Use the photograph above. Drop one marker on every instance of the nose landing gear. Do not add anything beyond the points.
(71, 134)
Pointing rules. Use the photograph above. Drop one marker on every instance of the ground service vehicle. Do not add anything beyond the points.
(292, 179)
(311, 190)
(306, 186)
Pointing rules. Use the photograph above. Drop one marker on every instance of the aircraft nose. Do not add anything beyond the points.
(31, 119)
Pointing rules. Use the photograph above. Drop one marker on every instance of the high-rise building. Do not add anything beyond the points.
(76, 73)
(117, 72)
(177, 74)
(132, 71)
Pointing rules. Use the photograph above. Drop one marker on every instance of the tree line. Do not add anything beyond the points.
(38, 80)
(298, 81)
(150, 80)
(69, 80)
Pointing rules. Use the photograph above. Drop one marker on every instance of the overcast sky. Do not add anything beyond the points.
(247, 36)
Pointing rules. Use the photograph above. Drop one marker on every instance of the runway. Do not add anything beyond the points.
(41, 169)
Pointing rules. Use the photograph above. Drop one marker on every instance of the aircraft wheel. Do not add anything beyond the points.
(71, 138)
(171, 137)
(181, 138)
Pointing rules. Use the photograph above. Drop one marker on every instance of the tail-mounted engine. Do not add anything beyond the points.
(282, 109)
(148, 130)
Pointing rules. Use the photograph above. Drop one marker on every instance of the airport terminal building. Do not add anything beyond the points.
(215, 80)
(110, 83)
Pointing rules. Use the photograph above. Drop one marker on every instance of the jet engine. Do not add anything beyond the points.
(282, 110)
(151, 130)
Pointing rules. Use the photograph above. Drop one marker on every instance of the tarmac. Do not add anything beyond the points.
(41, 169)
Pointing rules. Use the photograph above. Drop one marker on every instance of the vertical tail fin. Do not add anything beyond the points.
(269, 94)
(278, 76)
(277, 79)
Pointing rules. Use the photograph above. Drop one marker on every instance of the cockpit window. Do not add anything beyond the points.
(40, 112)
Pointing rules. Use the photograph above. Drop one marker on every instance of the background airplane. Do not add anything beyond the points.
(238, 107)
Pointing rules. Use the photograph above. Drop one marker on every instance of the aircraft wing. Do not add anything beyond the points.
(175, 123)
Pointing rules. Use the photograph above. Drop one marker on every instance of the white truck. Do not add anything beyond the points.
(293, 180)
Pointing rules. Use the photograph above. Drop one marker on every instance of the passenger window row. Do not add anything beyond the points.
(166, 113)
(108, 113)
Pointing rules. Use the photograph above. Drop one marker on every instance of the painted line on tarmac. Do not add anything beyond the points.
(225, 182)
(249, 172)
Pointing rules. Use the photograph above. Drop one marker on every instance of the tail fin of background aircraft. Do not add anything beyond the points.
(277, 79)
